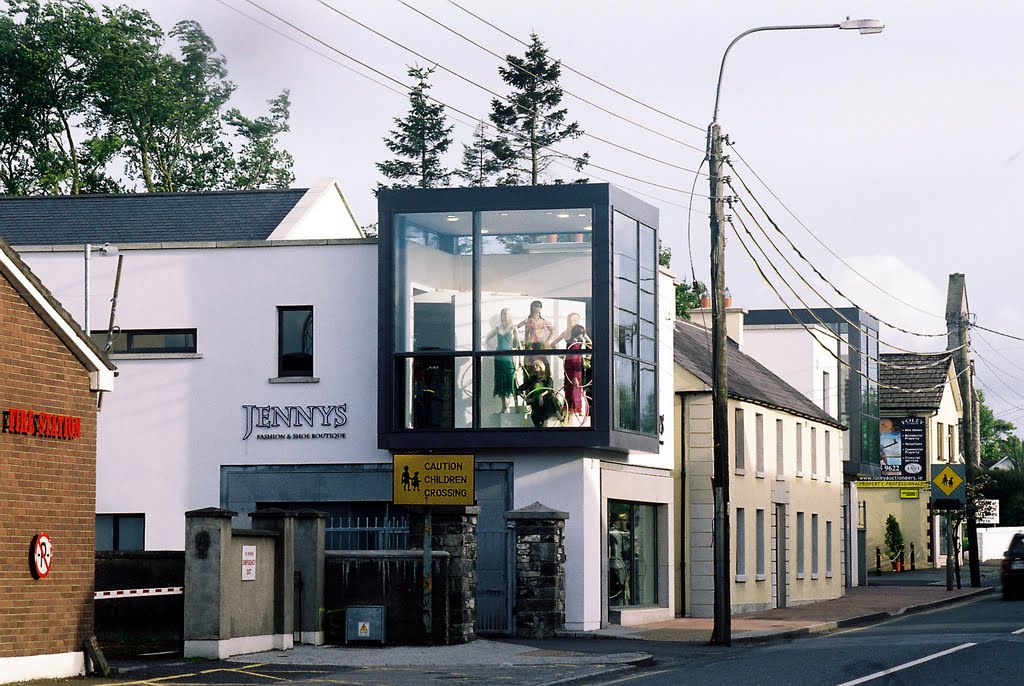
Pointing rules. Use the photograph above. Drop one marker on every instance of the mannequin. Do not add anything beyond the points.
(506, 337)
(537, 331)
(540, 394)
(572, 320)
(573, 366)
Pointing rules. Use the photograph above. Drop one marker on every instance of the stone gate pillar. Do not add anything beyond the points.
(540, 570)
(454, 531)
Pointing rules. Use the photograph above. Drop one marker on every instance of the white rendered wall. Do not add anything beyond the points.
(792, 354)
(323, 212)
(172, 423)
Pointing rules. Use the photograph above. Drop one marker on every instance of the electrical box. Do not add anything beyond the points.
(364, 623)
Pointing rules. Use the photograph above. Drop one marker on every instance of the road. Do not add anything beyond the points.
(976, 642)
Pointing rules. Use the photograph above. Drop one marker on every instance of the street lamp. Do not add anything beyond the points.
(107, 250)
(722, 633)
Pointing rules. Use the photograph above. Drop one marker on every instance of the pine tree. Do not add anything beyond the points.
(478, 164)
(530, 120)
(418, 141)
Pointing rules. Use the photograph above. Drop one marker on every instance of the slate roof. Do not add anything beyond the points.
(930, 381)
(748, 379)
(145, 217)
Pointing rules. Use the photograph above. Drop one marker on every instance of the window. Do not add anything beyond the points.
(952, 442)
(780, 452)
(814, 546)
(120, 532)
(759, 543)
(741, 460)
(634, 271)
(828, 456)
(940, 442)
(799, 545)
(632, 554)
(759, 437)
(814, 452)
(799, 449)
(741, 544)
(148, 341)
(295, 341)
(828, 549)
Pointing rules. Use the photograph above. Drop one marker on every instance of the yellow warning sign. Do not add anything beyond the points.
(364, 629)
(434, 480)
(947, 480)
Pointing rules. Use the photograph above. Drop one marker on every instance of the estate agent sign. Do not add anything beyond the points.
(902, 449)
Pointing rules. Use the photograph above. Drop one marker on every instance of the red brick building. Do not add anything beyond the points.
(50, 375)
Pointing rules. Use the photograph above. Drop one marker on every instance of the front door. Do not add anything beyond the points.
(780, 555)
(493, 592)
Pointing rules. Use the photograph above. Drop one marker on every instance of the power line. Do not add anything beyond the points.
(819, 341)
(998, 333)
(822, 243)
(443, 103)
(535, 76)
(487, 90)
(811, 311)
(813, 267)
(585, 76)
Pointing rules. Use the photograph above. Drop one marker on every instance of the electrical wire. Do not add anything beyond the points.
(581, 74)
(812, 288)
(822, 243)
(1008, 360)
(495, 94)
(535, 76)
(818, 340)
(998, 333)
(445, 104)
(816, 270)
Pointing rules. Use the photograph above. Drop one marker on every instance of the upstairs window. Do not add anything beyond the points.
(295, 341)
(147, 341)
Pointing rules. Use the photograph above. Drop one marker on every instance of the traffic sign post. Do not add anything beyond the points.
(949, 493)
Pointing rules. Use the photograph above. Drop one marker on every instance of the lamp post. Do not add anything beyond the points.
(722, 632)
(107, 250)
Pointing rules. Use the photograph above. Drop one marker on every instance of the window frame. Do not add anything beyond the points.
(99, 337)
(115, 518)
(310, 321)
(741, 544)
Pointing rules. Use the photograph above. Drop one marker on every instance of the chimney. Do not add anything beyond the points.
(701, 316)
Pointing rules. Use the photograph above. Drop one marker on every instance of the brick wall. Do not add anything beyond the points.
(46, 484)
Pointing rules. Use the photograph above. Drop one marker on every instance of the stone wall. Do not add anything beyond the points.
(540, 570)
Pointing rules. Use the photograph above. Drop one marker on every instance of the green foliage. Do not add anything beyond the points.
(997, 437)
(530, 120)
(478, 164)
(893, 537)
(419, 140)
(92, 101)
(688, 297)
(1007, 486)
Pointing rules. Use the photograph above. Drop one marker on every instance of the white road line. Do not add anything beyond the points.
(1018, 631)
(907, 665)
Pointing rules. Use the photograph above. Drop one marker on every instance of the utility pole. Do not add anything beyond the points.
(957, 313)
(722, 632)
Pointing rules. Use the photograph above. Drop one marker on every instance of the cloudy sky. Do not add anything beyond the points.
(897, 158)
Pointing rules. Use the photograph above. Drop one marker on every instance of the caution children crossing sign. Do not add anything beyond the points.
(434, 480)
(948, 492)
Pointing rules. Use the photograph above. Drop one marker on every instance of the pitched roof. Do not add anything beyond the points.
(921, 376)
(145, 217)
(49, 309)
(748, 379)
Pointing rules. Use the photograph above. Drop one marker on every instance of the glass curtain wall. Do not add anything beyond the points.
(492, 313)
(634, 325)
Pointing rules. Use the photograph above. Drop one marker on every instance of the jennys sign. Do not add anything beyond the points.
(294, 422)
(30, 423)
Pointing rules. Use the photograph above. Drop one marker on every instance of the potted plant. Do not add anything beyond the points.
(893, 541)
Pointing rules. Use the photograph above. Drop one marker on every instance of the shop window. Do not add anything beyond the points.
(632, 554)
(295, 341)
(147, 341)
(120, 532)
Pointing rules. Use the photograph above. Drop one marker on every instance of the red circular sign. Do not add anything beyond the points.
(42, 555)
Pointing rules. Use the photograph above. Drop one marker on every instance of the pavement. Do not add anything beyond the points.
(885, 596)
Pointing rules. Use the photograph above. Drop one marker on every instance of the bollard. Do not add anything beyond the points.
(903, 565)
(913, 558)
(878, 561)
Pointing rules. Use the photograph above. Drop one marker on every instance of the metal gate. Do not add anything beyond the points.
(494, 593)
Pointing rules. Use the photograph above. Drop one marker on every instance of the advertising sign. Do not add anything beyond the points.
(434, 480)
(902, 449)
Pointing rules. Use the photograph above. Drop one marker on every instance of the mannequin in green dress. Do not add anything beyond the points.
(506, 335)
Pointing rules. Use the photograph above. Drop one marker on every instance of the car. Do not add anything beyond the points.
(1013, 568)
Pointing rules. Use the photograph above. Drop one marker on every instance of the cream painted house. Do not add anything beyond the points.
(922, 387)
(786, 483)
